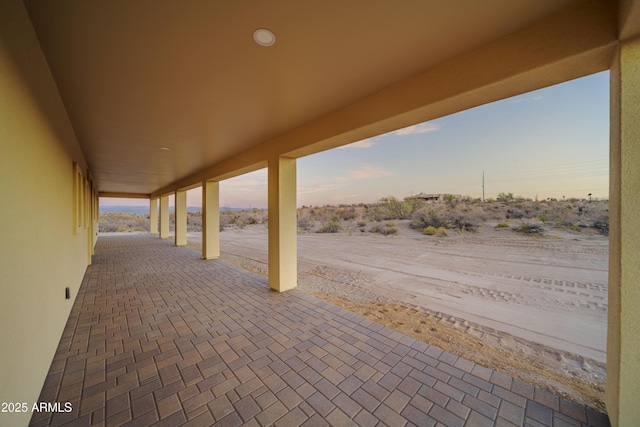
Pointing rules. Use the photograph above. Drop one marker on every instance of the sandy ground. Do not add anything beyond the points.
(534, 308)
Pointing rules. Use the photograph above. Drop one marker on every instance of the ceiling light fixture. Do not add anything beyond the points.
(264, 37)
(165, 148)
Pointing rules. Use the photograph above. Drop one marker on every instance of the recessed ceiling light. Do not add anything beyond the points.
(165, 148)
(264, 37)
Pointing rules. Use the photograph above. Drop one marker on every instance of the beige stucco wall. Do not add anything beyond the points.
(40, 254)
(623, 346)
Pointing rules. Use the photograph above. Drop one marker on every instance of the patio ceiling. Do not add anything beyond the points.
(161, 90)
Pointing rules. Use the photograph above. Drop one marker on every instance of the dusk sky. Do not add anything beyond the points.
(552, 142)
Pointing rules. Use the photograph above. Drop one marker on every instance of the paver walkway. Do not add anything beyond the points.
(158, 336)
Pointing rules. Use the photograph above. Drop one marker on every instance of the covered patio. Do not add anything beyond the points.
(150, 99)
(159, 336)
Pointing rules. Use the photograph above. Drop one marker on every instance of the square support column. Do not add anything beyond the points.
(153, 216)
(623, 333)
(283, 256)
(164, 217)
(181, 218)
(210, 220)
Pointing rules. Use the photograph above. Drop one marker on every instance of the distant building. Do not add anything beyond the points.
(432, 197)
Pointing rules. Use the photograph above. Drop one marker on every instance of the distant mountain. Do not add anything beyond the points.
(144, 210)
(140, 210)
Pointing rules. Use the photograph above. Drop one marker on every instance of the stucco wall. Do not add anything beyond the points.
(41, 250)
(623, 347)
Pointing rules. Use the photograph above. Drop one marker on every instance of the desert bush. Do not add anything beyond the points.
(428, 216)
(601, 224)
(400, 209)
(530, 229)
(396, 208)
(413, 205)
(461, 217)
(451, 200)
(515, 213)
(225, 220)
(333, 226)
(465, 222)
(305, 223)
(194, 221)
(389, 230)
(347, 213)
(503, 225)
(390, 227)
(432, 231)
(542, 217)
(429, 230)
(111, 222)
(505, 197)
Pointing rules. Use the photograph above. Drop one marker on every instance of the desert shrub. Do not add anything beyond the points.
(400, 209)
(503, 225)
(413, 205)
(110, 222)
(432, 231)
(515, 213)
(305, 223)
(465, 223)
(362, 223)
(347, 213)
(530, 229)
(449, 198)
(390, 230)
(441, 232)
(396, 208)
(428, 216)
(333, 226)
(505, 197)
(429, 230)
(194, 221)
(107, 225)
(390, 227)
(385, 229)
(542, 217)
(461, 217)
(602, 224)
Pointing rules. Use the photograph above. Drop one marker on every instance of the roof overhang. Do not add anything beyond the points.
(163, 95)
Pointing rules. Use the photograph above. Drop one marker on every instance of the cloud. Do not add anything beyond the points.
(365, 143)
(416, 129)
(336, 183)
(520, 99)
(318, 188)
(365, 172)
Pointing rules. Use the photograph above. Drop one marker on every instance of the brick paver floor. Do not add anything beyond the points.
(158, 336)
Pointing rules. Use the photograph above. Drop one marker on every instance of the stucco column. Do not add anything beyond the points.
(181, 218)
(153, 216)
(164, 217)
(283, 256)
(210, 220)
(623, 336)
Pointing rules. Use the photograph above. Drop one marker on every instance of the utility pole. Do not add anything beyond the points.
(483, 186)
